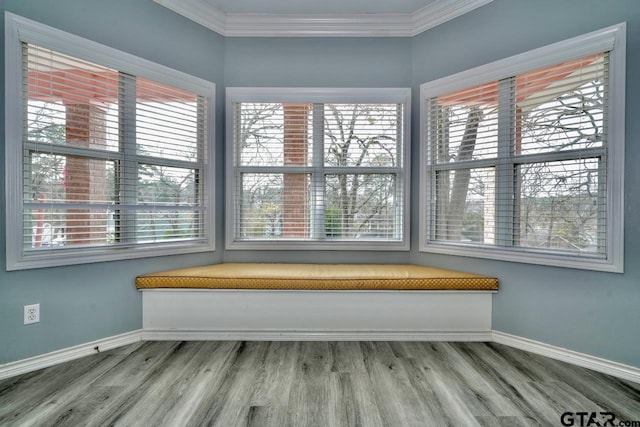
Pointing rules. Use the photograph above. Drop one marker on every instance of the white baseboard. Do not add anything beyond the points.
(66, 354)
(297, 335)
(619, 370)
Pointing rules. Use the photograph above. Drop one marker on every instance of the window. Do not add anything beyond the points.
(107, 154)
(317, 168)
(522, 160)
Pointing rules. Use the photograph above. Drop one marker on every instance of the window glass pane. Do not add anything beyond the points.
(52, 226)
(465, 124)
(362, 206)
(562, 205)
(562, 107)
(47, 178)
(60, 192)
(70, 101)
(465, 206)
(362, 134)
(273, 134)
(274, 206)
(167, 122)
(173, 194)
(166, 185)
(69, 179)
(46, 122)
(154, 225)
(89, 180)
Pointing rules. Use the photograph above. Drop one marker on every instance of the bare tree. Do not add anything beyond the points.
(355, 136)
(557, 203)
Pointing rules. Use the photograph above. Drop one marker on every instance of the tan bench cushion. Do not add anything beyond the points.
(317, 277)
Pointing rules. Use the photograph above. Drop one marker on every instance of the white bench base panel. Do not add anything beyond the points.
(326, 315)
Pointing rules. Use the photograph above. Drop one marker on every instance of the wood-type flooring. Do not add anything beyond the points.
(233, 383)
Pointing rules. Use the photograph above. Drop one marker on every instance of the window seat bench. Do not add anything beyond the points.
(317, 277)
(316, 301)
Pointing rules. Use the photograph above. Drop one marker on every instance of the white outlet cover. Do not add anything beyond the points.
(31, 314)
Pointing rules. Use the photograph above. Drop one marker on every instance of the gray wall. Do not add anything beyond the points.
(88, 302)
(595, 313)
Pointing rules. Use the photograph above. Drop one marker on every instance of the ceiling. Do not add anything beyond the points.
(321, 18)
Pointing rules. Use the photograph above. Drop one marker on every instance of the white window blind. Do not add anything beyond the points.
(520, 164)
(111, 160)
(318, 172)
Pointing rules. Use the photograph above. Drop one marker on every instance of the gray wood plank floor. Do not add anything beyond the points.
(313, 384)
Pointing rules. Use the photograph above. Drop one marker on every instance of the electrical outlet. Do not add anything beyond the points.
(31, 313)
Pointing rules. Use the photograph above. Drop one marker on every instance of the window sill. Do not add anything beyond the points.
(46, 259)
(273, 245)
(529, 256)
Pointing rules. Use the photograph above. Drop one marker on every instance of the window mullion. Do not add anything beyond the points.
(601, 237)
(398, 187)
(128, 173)
(438, 191)
(317, 175)
(504, 185)
(199, 196)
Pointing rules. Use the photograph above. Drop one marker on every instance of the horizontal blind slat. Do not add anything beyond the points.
(550, 193)
(288, 186)
(78, 163)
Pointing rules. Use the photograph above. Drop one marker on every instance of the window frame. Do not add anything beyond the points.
(612, 39)
(315, 95)
(18, 30)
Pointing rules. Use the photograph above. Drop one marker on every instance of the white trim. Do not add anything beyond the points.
(612, 38)
(19, 29)
(608, 367)
(13, 134)
(440, 11)
(322, 25)
(616, 155)
(92, 255)
(316, 95)
(198, 11)
(398, 95)
(43, 35)
(67, 354)
(295, 335)
(522, 255)
(619, 370)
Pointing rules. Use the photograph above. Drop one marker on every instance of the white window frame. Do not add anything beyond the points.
(316, 95)
(19, 30)
(611, 39)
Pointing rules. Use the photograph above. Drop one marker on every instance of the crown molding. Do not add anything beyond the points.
(441, 11)
(319, 25)
(198, 11)
(322, 25)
